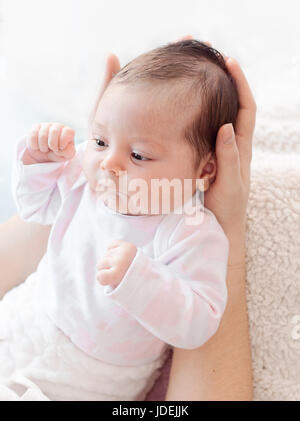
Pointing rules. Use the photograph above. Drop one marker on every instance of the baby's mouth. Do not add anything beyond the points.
(110, 190)
(103, 190)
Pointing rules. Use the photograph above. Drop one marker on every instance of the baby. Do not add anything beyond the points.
(125, 279)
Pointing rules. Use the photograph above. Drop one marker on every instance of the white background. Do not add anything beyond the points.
(52, 55)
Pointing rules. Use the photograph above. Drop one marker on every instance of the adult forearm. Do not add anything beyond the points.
(22, 245)
(221, 369)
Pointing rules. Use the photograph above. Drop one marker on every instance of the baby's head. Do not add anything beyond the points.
(159, 118)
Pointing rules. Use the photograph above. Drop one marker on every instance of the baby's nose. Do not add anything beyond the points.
(111, 165)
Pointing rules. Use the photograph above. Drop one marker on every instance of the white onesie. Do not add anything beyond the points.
(172, 295)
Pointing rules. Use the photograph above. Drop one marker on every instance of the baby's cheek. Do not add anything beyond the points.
(89, 168)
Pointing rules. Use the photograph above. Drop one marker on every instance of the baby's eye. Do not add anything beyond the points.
(138, 159)
(99, 142)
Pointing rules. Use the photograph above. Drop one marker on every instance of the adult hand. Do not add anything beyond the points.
(221, 369)
(227, 197)
(112, 66)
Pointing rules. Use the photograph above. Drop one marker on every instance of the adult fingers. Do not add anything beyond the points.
(209, 44)
(245, 122)
(184, 38)
(246, 96)
(112, 67)
(228, 162)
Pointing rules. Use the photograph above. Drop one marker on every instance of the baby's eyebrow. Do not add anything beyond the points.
(148, 141)
(98, 125)
(139, 139)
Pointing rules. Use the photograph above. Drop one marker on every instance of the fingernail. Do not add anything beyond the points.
(229, 134)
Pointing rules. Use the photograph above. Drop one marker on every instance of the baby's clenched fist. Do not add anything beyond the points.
(115, 262)
(49, 142)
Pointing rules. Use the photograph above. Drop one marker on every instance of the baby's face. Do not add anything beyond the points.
(136, 136)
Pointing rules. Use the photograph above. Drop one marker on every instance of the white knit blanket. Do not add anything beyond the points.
(273, 256)
(39, 362)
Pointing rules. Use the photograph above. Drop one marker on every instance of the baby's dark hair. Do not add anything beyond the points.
(202, 71)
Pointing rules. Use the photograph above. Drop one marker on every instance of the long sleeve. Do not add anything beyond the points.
(36, 189)
(181, 302)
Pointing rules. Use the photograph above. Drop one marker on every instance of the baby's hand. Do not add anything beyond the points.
(115, 262)
(49, 142)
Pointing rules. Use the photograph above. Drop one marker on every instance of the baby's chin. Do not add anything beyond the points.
(118, 204)
(122, 204)
(111, 204)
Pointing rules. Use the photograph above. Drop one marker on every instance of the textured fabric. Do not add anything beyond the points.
(39, 362)
(159, 390)
(273, 267)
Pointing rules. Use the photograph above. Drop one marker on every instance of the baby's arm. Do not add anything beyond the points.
(182, 302)
(39, 160)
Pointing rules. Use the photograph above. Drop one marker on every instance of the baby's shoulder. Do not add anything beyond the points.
(176, 229)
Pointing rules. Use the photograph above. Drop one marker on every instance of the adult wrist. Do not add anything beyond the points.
(237, 247)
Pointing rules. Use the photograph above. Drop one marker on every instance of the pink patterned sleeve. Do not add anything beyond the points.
(35, 187)
(181, 302)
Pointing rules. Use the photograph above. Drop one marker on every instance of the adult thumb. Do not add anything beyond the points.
(228, 162)
(112, 67)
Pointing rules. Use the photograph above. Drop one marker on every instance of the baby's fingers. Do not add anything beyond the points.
(43, 137)
(68, 152)
(104, 263)
(66, 137)
(106, 276)
(54, 135)
(32, 139)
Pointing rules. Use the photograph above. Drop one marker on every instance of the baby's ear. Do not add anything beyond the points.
(208, 170)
